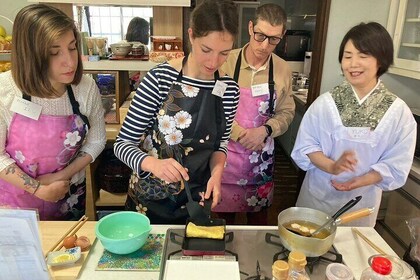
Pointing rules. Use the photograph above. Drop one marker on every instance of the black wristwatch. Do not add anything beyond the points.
(269, 131)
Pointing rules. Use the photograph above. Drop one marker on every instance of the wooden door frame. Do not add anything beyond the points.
(318, 53)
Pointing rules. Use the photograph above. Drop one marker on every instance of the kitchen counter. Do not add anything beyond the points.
(354, 250)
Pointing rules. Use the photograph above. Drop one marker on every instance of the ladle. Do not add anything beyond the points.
(337, 214)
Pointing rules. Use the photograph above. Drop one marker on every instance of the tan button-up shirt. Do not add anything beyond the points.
(284, 110)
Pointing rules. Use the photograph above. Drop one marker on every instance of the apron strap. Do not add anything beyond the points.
(184, 61)
(271, 83)
(75, 105)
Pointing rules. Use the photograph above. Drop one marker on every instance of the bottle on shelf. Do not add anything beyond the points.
(297, 263)
(380, 269)
(280, 270)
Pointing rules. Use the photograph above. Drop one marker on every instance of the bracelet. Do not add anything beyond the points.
(37, 187)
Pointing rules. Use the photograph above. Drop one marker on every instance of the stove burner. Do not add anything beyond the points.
(329, 257)
(258, 276)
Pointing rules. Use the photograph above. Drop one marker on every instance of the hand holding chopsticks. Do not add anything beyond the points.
(368, 241)
(57, 246)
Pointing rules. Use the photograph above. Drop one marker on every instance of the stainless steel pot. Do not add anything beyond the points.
(311, 246)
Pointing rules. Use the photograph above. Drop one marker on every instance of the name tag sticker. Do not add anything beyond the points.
(359, 132)
(219, 88)
(26, 108)
(260, 89)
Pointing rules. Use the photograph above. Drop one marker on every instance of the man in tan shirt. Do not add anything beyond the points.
(266, 109)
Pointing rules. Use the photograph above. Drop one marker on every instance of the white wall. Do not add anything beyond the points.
(9, 9)
(345, 14)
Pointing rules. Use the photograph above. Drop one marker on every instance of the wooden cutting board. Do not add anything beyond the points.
(51, 232)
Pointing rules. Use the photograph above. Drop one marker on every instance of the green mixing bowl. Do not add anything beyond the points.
(123, 232)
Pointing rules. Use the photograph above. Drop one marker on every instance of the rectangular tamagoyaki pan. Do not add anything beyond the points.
(194, 246)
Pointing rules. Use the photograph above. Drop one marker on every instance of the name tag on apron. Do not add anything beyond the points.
(358, 133)
(219, 88)
(260, 89)
(26, 108)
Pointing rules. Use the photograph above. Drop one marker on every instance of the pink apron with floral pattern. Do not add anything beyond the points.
(247, 182)
(43, 146)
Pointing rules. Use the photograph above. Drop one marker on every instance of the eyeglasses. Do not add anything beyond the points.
(260, 37)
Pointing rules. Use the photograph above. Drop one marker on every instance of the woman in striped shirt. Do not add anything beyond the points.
(178, 124)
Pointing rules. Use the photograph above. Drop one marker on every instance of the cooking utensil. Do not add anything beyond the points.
(199, 215)
(337, 214)
(195, 210)
(311, 246)
(368, 241)
(72, 231)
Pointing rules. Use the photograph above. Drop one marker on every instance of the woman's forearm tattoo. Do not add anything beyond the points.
(28, 182)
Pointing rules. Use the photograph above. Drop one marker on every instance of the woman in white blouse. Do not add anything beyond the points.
(51, 117)
(359, 138)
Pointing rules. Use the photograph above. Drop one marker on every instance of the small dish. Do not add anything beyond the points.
(66, 257)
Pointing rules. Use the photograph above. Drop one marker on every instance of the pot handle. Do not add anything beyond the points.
(346, 207)
(351, 216)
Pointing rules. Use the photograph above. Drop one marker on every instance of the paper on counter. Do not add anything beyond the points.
(20, 246)
(201, 270)
(356, 251)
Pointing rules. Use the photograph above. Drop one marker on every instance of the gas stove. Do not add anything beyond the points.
(254, 249)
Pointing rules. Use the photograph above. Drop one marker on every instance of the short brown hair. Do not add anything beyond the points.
(35, 29)
(372, 39)
(272, 13)
(214, 15)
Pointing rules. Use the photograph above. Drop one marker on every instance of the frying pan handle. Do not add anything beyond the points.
(348, 217)
(229, 237)
(346, 207)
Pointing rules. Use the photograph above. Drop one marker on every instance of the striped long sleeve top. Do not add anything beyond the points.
(145, 106)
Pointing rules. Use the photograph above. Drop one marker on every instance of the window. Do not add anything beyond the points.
(112, 22)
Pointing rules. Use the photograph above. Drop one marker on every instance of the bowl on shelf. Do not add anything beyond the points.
(123, 232)
(121, 49)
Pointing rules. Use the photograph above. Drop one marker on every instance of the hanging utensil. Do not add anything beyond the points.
(337, 214)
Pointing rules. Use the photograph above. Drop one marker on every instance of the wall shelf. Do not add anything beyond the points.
(119, 65)
(169, 3)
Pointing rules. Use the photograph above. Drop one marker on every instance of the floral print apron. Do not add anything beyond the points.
(44, 146)
(247, 182)
(189, 127)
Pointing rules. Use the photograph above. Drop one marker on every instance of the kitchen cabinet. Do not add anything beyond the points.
(404, 27)
(119, 69)
(394, 228)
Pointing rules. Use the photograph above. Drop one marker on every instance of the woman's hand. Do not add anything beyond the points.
(168, 170)
(53, 192)
(50, 178)
(347, 162)
(370, 178)
(214, 186)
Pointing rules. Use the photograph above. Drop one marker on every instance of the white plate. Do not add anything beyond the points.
(68, 256)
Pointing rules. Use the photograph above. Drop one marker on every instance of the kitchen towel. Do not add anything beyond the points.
(147, 258)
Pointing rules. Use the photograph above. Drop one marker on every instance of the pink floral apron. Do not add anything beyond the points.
(44, 146)
(247, 182)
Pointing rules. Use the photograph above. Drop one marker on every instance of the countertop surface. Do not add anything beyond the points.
(355, 251)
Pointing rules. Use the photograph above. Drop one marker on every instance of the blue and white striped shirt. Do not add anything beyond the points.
(147, 102)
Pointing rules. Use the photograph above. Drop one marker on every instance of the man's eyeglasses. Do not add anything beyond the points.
(260, 37)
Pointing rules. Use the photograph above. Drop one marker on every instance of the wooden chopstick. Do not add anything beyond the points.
(59, 244)
(373, 245)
